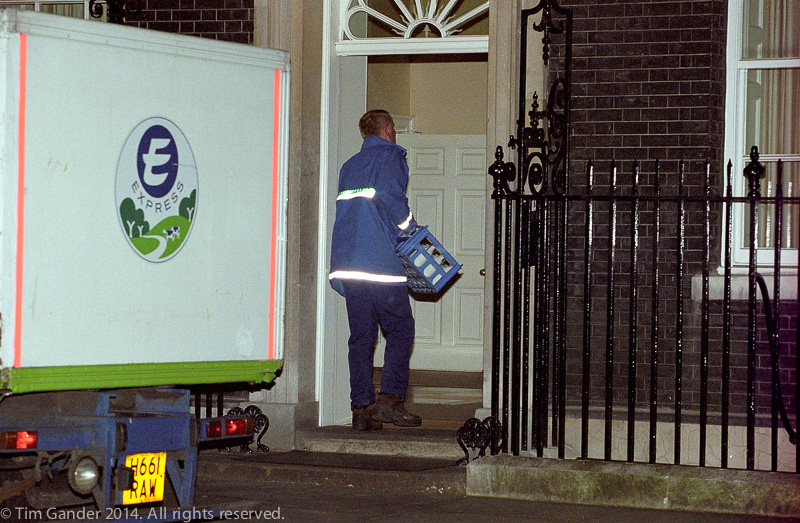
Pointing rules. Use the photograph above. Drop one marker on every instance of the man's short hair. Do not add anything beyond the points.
(373, 122)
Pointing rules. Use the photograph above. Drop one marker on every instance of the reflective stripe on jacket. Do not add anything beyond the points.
(371, 213)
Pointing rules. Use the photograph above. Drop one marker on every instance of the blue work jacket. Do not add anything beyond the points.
(371, 213)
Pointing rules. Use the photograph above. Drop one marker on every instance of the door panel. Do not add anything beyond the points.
(446, 192)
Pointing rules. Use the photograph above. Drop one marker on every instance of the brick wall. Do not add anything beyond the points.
(230, 20)
(648, 83)
(648, 79)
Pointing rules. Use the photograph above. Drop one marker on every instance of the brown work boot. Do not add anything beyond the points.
(390, 409)
(363, 420)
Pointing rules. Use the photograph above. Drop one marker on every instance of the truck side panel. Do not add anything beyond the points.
(188, 271)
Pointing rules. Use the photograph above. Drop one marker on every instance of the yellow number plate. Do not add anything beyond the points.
(148, 478)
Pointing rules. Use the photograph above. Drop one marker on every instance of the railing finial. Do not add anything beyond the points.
(754, 171)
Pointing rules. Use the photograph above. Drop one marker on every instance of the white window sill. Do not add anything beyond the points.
(740, 286)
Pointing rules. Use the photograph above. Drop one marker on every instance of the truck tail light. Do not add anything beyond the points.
(213, 429)
(19, 439)
(226, 427)
(239, 426)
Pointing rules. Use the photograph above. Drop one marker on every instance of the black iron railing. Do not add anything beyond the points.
(596, 320)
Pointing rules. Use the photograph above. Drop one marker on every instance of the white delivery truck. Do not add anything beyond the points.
(142, 236)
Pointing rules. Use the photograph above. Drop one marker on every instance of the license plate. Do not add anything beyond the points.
(148, 478)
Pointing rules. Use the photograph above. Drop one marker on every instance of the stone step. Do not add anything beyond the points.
(358, 471)
(440, 396)
(433, 440)
(436, 378)
(456, 413)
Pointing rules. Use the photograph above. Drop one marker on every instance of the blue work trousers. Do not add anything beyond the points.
(368, 306)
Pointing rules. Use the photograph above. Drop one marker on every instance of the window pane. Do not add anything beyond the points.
(771, 29)
(773, 110)
(790, 221)
(73, 10)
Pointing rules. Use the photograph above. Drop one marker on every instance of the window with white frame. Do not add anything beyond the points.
(413, 26)
(763, 109)
(71, 8)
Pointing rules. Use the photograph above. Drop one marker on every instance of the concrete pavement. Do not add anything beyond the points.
(315, 487)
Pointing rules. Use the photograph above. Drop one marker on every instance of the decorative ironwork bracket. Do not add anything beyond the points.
(117, 9)
(261, 423)
(543, 145)
(547, 26)
(478, 435)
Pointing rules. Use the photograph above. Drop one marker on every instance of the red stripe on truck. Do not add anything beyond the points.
(276, 144)
(23, 81)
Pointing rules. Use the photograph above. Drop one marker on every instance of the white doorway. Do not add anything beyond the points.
(449, 330)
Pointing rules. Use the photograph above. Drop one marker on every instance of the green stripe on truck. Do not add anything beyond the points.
(39, 379)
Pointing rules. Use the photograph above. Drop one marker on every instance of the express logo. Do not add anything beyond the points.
(156, 189)
(157, 161)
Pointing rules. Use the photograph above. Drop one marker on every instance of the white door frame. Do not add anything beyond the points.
(331, 351)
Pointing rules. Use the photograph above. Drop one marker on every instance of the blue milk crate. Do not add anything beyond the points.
(428, 265)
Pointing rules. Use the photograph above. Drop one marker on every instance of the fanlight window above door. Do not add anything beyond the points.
(404, 26)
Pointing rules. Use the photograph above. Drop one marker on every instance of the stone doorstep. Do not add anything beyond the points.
(394, 459)
(362, 472)
(413, 442)
(635, 485)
